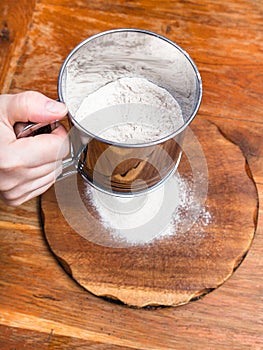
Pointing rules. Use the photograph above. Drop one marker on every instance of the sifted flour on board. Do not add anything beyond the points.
(154, 215)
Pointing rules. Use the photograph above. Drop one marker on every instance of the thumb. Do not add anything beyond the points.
(32, 106)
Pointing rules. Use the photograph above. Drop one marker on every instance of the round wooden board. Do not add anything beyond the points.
(176, 269)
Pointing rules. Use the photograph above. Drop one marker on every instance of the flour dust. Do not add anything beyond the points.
(158, 214)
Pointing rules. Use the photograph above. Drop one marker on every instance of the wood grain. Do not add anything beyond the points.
(14, 23)
(169, 271)
(38, 301)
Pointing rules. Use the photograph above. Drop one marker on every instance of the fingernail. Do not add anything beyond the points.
(56, 107)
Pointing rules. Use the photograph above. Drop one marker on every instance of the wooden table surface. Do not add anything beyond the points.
(41, 307)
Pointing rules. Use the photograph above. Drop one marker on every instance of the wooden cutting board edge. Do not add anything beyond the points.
(101, 292)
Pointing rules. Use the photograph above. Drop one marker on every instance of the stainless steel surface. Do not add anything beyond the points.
(112, 55)
(32, 129)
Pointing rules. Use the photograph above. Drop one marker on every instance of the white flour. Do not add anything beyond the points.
(166, 211)
(130, 110)
(136, 110)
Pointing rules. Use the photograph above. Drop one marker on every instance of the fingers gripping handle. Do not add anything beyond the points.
(32, 129)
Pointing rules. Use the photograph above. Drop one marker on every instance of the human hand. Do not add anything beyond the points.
(29, 166)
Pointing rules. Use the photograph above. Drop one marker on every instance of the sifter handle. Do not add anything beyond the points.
(31, 129)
